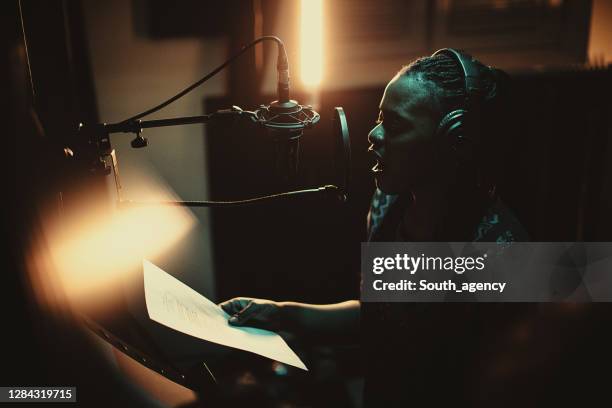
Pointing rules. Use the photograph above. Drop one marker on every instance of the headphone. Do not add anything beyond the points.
(463, 124)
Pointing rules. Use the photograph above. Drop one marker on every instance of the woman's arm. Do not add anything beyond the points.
(332, 323)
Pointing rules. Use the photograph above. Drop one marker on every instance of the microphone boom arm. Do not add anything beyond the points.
(102, 131)
(136, 126)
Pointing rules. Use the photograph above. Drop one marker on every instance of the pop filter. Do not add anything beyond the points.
(342, 151)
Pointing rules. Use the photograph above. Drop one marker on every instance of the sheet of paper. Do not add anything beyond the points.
(175, 305)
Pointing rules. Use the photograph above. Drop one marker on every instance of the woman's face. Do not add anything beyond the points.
(402, 140)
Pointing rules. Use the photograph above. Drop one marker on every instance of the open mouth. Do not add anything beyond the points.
(378, 167)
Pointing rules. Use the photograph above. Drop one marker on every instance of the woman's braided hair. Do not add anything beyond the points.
(447, 75)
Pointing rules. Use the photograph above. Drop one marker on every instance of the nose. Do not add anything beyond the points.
(376, 136)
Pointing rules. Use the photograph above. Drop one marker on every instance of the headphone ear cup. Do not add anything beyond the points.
(451, 130)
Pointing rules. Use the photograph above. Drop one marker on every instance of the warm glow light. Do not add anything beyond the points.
(311, 42)
(90, 256)
(97, 254)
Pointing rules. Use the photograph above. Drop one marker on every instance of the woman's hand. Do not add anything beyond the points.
(325, 324)
(260, 313)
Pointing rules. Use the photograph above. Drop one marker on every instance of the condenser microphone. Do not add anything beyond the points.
(285, 120)
(285, 123)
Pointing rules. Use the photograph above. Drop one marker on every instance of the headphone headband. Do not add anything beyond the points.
(471, 74)
(464, 123)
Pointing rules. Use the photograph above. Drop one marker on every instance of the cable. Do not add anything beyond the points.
(282, 56)
(329, 189)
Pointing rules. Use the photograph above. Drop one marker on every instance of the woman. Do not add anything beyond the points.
(432, 185)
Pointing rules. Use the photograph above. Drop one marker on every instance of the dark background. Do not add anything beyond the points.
(556, 172)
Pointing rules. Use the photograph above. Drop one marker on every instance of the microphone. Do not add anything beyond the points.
(285, 123)
(285, 120)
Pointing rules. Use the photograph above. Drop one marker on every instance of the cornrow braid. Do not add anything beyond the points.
(447, 75)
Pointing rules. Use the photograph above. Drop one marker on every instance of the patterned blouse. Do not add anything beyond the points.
(421, 354)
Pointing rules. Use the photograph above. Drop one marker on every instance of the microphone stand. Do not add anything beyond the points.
(99, 135)
(138, 125)
(283, 117)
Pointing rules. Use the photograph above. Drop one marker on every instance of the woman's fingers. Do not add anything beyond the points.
(251, 312)
(234, 305)
(244, 316)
